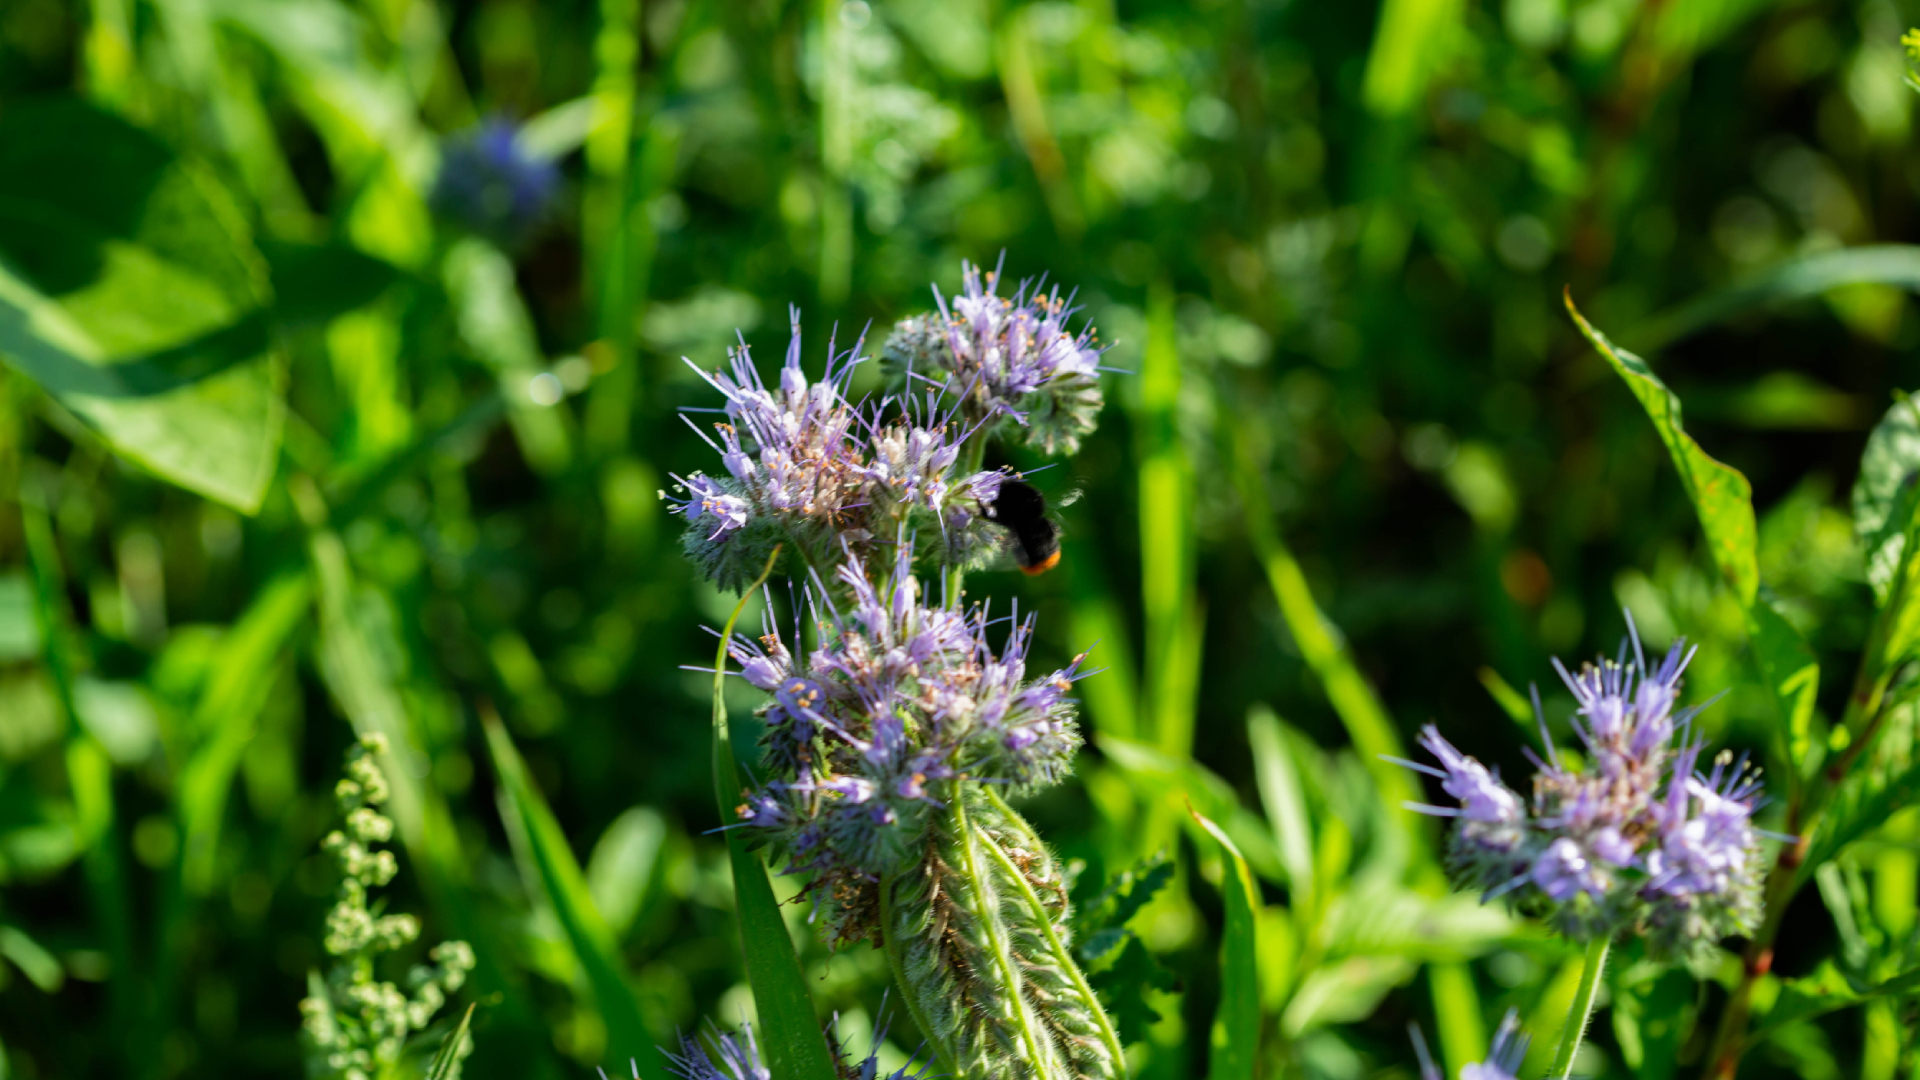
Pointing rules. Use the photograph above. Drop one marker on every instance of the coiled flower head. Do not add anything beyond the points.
(1006, 359)
(805, 465)
(1637, 838)
(874, 731)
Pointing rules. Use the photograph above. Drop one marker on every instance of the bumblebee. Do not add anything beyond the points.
(1035, 538)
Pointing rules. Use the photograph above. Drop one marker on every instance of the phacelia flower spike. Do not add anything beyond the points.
(804, 465)
(492, 184)
(871, 734)
(1010, 359)
(1636, 839)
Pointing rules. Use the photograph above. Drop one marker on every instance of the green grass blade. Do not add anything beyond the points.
(1173, 625)
(1403, 53)
(566, 890)
(446, 1060)
(790, 1031)
(1236, 1027)
(606, 212)
(89, 772)
(1456, 1014)
(1795, 279)
(228, 709)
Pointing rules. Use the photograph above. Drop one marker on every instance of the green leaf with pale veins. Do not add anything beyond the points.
(130, 290)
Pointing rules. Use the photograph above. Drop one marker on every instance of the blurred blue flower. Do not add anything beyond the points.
(489, 183)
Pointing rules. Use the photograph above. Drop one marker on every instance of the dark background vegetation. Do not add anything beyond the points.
(1353, 224)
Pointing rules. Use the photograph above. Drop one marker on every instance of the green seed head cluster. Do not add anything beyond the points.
(357, 1024)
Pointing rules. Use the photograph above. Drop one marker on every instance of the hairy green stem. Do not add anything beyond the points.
(891, 945)
(1582, 1011)
(1044, 918)
(994, 932)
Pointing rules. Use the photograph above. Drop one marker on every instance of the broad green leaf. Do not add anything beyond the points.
(131, 291)
(1795, 279)
(1723, 500)
(1236, 1026)
(1100, 920)
(1123, 985)
(789, 1031)
(312, 283)
(1393, 921)
(565, 889)
(1886, 494)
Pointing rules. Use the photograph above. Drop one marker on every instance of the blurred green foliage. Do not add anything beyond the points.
(287, 458)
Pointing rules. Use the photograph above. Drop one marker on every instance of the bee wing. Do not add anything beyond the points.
(1068, 497)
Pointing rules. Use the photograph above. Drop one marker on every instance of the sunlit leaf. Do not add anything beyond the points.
(1236, 1026)
(1886, 494)
(131, 291)
(1723, 500)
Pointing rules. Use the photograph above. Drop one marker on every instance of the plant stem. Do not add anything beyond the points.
(890, 945)
(1061, 955)
(1582, 1008)
(1007, 970)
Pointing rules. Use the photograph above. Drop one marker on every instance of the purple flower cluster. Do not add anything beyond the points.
(807, 466)
(1636, 837)
(871, 734)
(1504, 1057)
(737, 1057)
(1006, 357)
(492, 185)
